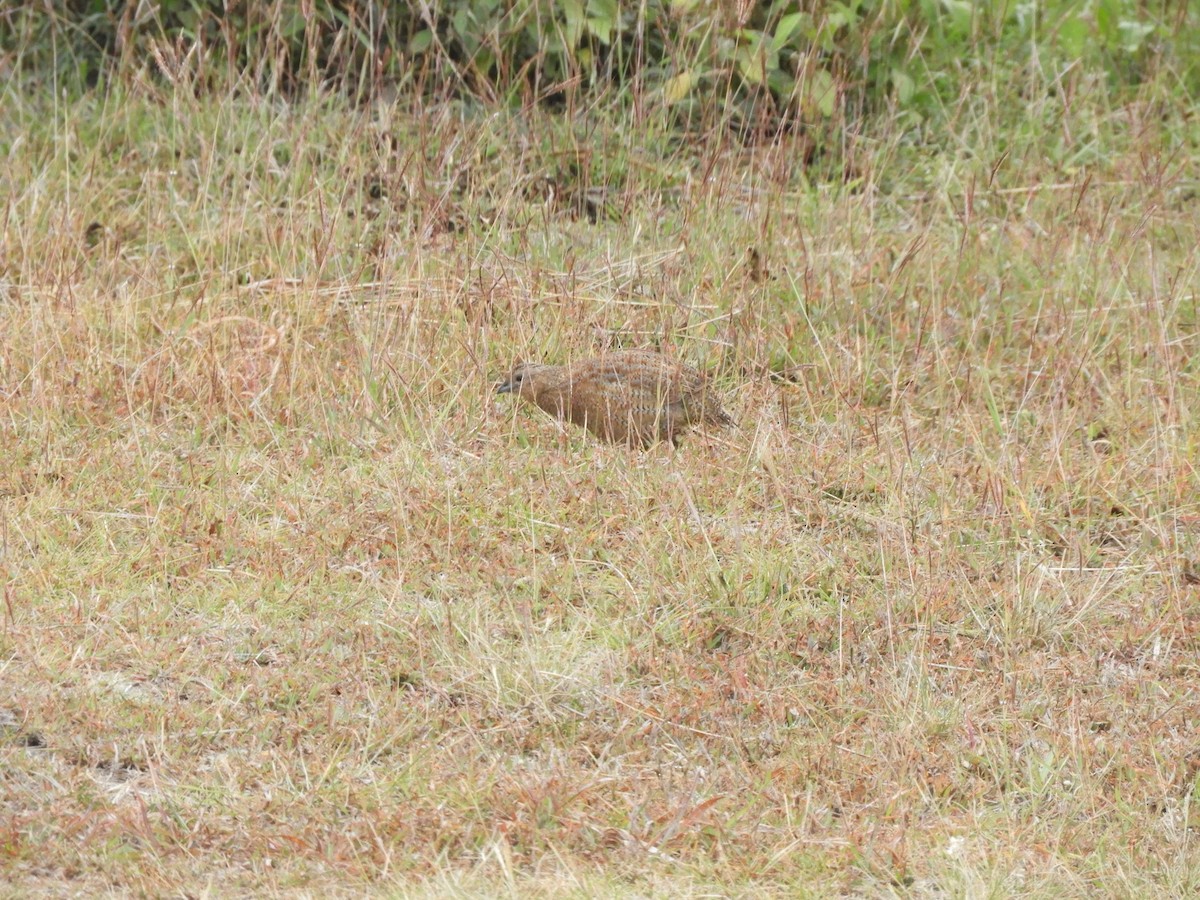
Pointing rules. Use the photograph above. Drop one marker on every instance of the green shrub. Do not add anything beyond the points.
(803, 60)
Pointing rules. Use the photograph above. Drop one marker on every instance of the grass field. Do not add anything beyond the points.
(292, 602)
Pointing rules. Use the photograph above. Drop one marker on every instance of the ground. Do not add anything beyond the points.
(293, 602)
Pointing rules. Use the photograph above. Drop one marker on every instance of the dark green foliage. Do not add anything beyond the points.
(796, 61)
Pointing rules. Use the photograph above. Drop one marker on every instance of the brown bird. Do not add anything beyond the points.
(627, 396)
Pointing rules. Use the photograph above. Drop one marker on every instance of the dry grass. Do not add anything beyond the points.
(293, 603)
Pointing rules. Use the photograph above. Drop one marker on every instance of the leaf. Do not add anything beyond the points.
(1134, 34)
(572, 11)
(602, 19)
(294, 26)
(461, 21)
(755, 58)
(904, 85)
(959, 13)
(822, 92)
(750, 64)
(1107, 12)
(1073, 35)
(782, 84)
(420, 42)
(678, 87)
(839, 16)
(787, 25)
(484, 61)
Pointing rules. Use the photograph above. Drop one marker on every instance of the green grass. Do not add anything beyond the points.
(293, 602)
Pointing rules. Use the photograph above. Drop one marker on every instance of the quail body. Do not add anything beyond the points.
(635, 397)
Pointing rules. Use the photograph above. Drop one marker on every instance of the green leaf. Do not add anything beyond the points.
(461, 21)
(822, 92)
(840, 16)
(294, 26)
(1134, 34)
(572, 11)
(784, 30)
(904, 86)
(678, 87)
(1107, 12)
(782, 84)
(602, 19)
(1073, 35)
(484, 61)
(959, 13)
(754, 63)
(420, 42)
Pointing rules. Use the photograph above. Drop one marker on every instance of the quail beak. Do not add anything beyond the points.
(504, 387)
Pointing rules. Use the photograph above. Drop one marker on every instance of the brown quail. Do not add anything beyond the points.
(635, 397)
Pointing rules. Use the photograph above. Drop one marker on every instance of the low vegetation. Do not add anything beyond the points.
(293, 602)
